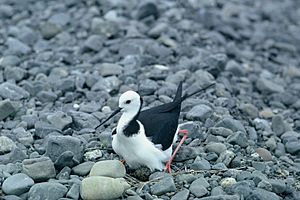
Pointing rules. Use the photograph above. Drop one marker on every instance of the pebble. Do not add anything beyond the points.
(17, 184)
(99, 187)
(293, 147)
(231, 124)
(12, 91)
(83, 168)
(268, 86)
(60, 120)
(42, 129)
(93, 43)
(226, 157)
(250, 110)
(39, 169)
(17, 47)
(181, 195)
(109, 69)
(199, 113)
(146, 10)
(108, 168)
(227, 182)
(6, 145)
(278, 125)
(74, 191)
(215, 147)
(225, 132)
(278, 185)
(163, 186)
(264, 153)
(47, 190)
(198, 190)
(200, 164)
(14, 73)
(49, 30)
(84, 120)
(262, 194)
(238, 138)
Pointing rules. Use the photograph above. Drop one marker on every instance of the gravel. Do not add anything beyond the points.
(63, 66)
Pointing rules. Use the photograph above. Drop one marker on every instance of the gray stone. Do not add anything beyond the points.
(60, 120)
(83, 168)
(49, 30)
(215, 147)
(262, 194)
(293, 147)
(199, 113)
(46, 96)
(65, 159)
(93, 43)
(290, 136)
(17, 184)
(235, 68)
(109, 69)
(217, 191)
(163, 186)
(278, 125)
(225, 132)
(12, 91)
(60, 19)
(134, 198)
(17, 47)
(74, 191)
(109, 168)
(227, 182)
(39, 169)
(250, 110)
(57, 145)
(219, 166)
(271, 143)
(238, 138)
(11, 197)
(198, 190)
(102, 188)
(200, 164)
(6, 11)
(14, 73)
(193, 129)
(104, 27)
(231, 124)
(64, 174)
(6, 145)
(268, 86)
(222, 197)
(47, 190)
(147, 87)
(226, 157)
(42, 129)
(15, 155)
(9, 60)
(242, 188)
(84, 120)
(6, 109)
(181, 195)
(264, 154)
(146, 10)
(185, 178)
(186, 153)
(265, 185)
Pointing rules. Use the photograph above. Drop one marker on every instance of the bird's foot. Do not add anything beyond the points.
(123, 161)
(168, 165)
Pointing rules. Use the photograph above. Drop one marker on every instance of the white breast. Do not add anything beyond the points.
(138, 150)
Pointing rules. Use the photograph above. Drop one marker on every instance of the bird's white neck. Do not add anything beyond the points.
(125, 119)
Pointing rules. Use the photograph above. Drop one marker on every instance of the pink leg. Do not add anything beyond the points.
(168, 165)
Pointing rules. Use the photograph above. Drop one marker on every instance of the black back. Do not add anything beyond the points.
(161, 122)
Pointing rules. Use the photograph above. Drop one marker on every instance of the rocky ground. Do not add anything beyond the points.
(63, 65)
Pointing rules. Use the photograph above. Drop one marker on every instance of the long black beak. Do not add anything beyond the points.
(112, 114)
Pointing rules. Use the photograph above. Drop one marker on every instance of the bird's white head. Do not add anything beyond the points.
(130, 101)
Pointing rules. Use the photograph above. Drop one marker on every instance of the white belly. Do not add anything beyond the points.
(137, 150)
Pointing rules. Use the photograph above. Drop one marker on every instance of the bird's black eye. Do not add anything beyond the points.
(128, 101)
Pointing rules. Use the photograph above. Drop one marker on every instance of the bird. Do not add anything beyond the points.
(146, 137)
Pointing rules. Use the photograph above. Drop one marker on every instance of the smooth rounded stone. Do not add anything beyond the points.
(147, 87)
(268, 86)
(262, 194)
(47, 190)
(17, 184)
(57, 145)
(42, 129)
(199, 113)
(134, 198)
(6, 145)
(217, 191)
(158, 29)
(84, 120)
(238, 138)
(200, 164)
(6, 11)
(235, 68)
(109, 69)
(11, 197)
(227, 182)
(264, 154)
(266, 185)
(163, 186)
(198, 190)
(14, 73)
(9, 60)
(60, 120)
(225, 132)
(271, 143)
(215, 147)
(181, 195)
(16, 47)
(99, 187)
(83, 168)
(266, 113)
(104, 27)
(186, 153)
(278, 125)
(290, 136)
(146, 10)
(39, 169)
(222, 197)
(109, 168)
(293, 147)
(60, 19)
(232, 124)
(65, 159)
(12, 91)
(93, 43)
(46, 96)
(49, 30)
(226, 157)
(249, 109)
